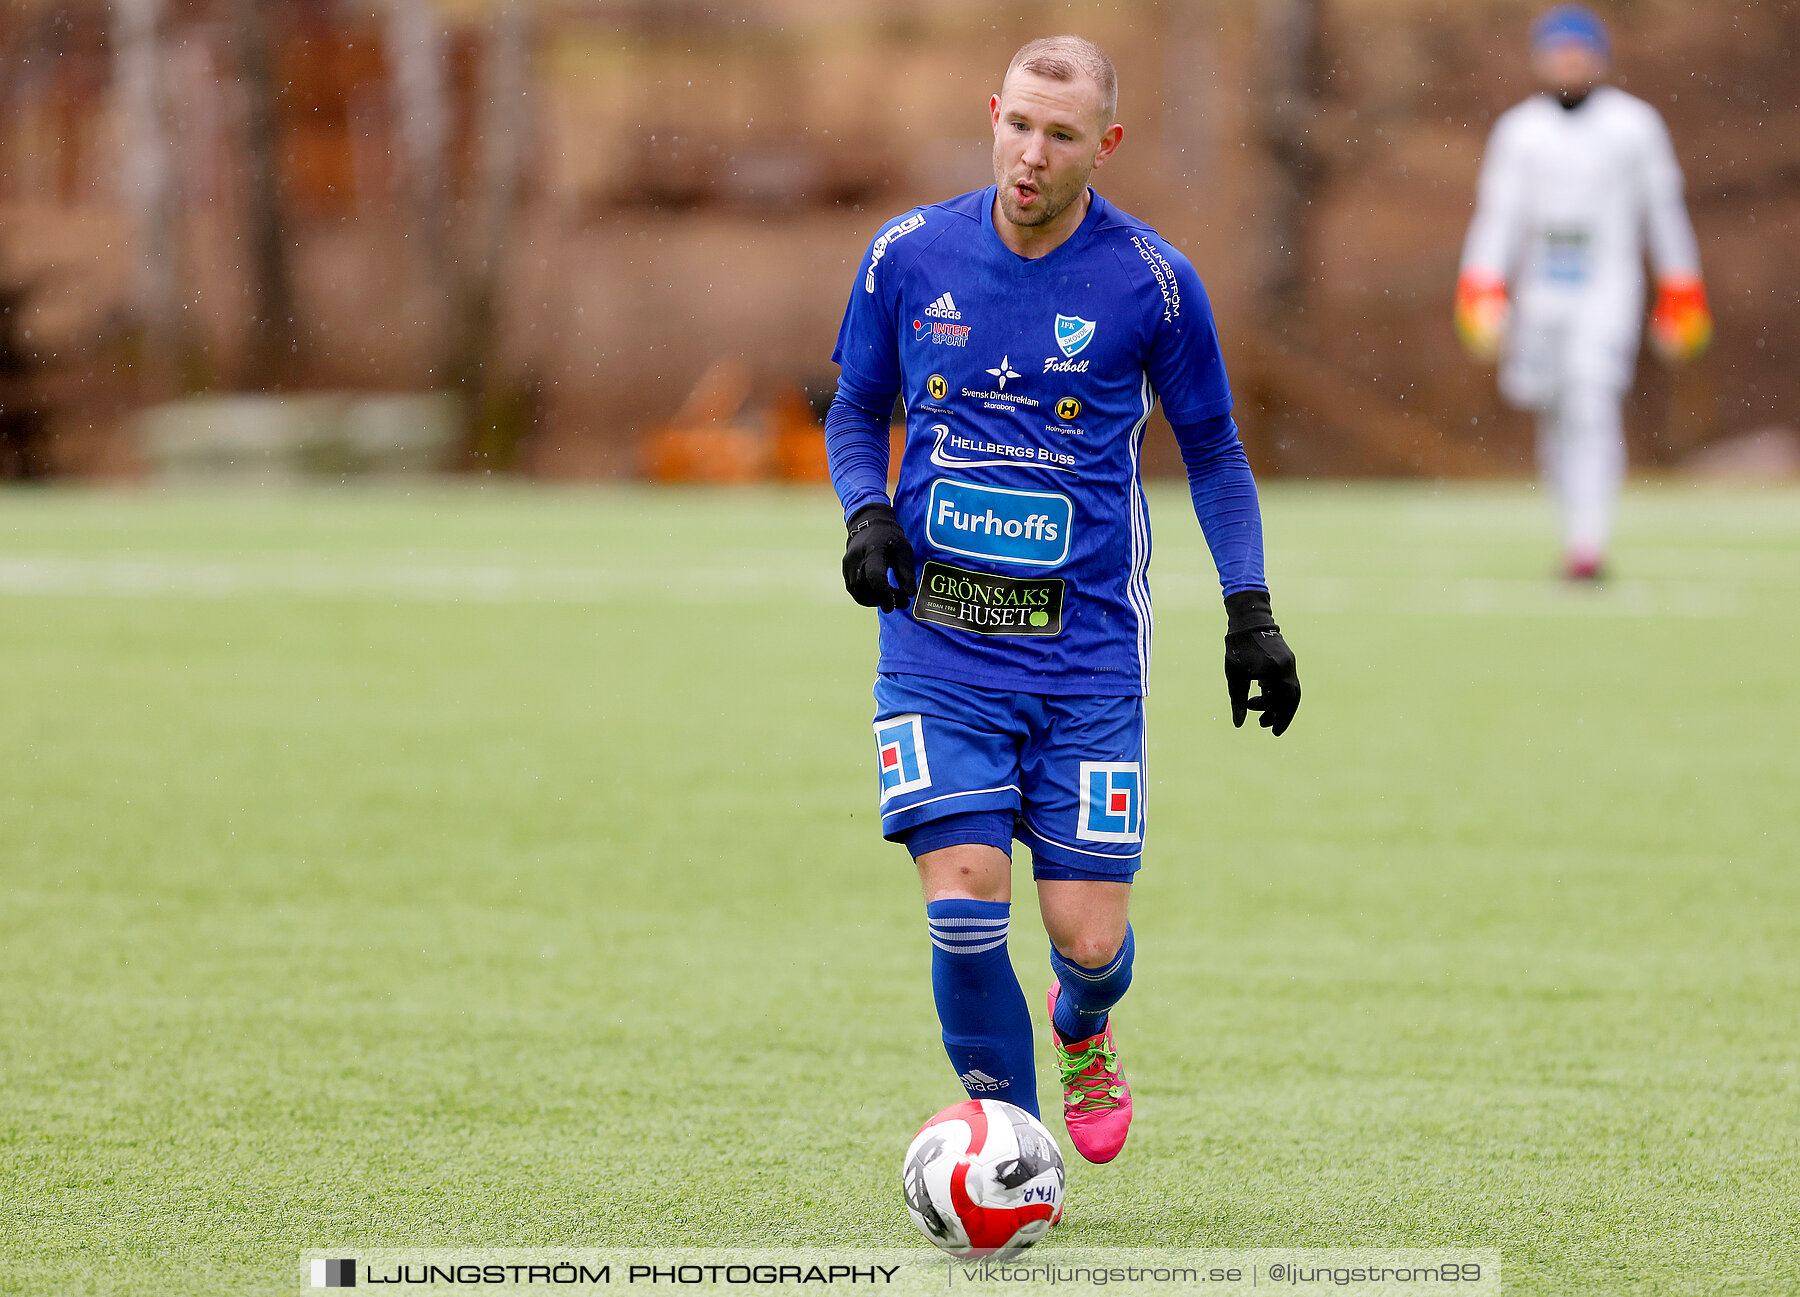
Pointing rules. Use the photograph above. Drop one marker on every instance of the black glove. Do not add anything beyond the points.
(1254, 650)
(876, 544)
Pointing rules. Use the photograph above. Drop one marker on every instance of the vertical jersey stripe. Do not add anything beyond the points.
(1137, 583)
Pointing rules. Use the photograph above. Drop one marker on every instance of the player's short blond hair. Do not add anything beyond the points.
(1064, 58)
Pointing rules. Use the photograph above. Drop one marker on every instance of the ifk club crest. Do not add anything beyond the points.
(1073, 333)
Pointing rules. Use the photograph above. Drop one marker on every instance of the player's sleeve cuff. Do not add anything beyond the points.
(862, 500)
(1200, 413)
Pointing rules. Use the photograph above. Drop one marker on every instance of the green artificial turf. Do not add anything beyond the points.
(501, 867)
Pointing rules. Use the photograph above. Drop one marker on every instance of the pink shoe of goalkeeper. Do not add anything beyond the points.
(1096, 1100)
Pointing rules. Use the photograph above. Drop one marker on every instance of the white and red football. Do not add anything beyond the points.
(983, 1179)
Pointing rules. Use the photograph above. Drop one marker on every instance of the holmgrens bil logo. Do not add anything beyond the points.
(938, 386)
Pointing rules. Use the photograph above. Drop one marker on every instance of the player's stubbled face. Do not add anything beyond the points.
(1568, 67)
(1046, 134)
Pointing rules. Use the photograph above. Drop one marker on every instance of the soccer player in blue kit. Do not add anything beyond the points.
(1029, 329)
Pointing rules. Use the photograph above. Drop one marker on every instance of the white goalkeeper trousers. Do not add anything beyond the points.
(1581, 456)
(1570, 357)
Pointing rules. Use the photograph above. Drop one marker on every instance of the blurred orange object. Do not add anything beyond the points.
(704, 455)
(718, 397)
(1681, 326)
(1481, 313)
(799, 439)
(703, 443)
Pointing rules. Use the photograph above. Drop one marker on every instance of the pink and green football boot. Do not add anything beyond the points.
(1096, 1099)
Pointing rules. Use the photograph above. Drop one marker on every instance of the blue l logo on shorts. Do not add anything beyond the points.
(1026, 527)
(900, 754)
(1111, 799)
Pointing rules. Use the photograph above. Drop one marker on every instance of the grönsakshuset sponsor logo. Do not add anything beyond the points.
(985, 603)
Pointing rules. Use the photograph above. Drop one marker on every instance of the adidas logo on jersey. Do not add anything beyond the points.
(944, 308)
(976, 1079)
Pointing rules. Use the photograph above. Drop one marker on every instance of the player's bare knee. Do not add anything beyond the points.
(1090, 949)
(965, 872)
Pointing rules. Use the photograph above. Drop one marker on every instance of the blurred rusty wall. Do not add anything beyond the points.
(703, 178)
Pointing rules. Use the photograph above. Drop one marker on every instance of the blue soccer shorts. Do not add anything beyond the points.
(1069, 772)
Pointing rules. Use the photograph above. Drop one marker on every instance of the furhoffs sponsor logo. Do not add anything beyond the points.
(1030, 528)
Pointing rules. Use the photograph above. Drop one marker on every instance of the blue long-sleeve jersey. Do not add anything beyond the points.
(1027, 385)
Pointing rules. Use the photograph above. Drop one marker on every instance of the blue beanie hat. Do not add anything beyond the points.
(1571, 23)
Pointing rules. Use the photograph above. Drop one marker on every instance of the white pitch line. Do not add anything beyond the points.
(1474, 596)
(430, 583)
(815, 583)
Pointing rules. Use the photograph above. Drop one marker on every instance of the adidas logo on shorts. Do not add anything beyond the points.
(944, 308)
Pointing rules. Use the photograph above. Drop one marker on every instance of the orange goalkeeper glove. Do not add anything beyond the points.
(1481, 313)
(1681, 326)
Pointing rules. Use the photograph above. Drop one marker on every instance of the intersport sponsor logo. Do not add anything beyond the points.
(941, 332)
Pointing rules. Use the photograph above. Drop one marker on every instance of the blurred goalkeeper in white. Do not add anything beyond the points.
(1574, 184)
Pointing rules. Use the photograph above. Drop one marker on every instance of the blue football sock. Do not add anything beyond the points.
(987, 1028)
(1088, 994)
